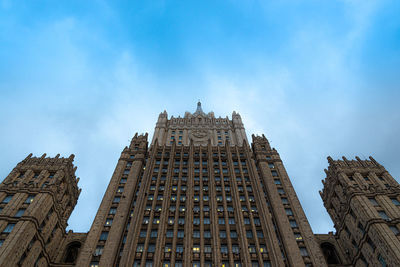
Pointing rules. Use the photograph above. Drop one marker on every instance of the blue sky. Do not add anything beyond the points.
(318, 78)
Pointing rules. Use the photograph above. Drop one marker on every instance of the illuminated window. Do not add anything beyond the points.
(196, 248)
(120, 189)
(156, 220)
(298, 236)
(108, 222)
(168, 247)
(28, 200)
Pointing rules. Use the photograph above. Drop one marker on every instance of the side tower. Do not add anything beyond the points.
(107, 235)
(37, 198)
(292, 229)
(363, 201)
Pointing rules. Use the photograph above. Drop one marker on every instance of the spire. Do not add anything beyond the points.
(199, 110)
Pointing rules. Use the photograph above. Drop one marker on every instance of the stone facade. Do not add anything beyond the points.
(363, 201)
(198, 195)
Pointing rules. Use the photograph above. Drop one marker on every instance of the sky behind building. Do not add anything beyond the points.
(318, 78)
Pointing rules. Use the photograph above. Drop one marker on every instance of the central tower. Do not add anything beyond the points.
(200, 195)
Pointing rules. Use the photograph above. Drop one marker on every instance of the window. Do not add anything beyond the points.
(383, 215)
(146, 220)
(207, 234)
(285, 200)
(263, 249)
(207, 249)
(395, 230)
(103, 236)
(260, 234)
(179, 248)
(151, 248)
(94, 264)
(252, 248)
(120, 189)
(277, 182)
(156, 220)
(395, 201)
(382, 260)
(142, 233)
(181, 234)
(196, 263)
(19, 213)
(196, 248)
(116, 200)
(221, 220)
(303, 252)
(234, 234)
(298, 237)
(293, 224)
(274, 173)
(281, 191)
(108, 222)
(98, 251)
(254, 264)
(224, 249)
(249, 234)
(123, 181)
(170, 234)
(373, 202)
(1, 242)
(235, 249)
(8, 228)
(196, 234)
(289, 212)
(196, 221)
(222, 234)
(153, 233)
(113, 211)
(231, 220)
(29, 199)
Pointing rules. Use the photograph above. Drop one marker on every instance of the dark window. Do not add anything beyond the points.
(9, 228)
(7, 199)
(103, 236)
(19, 213)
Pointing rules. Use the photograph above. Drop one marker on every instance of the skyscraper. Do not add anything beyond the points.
(198, 195)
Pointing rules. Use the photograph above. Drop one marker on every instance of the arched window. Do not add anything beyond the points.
(330, 254)
(72, 252)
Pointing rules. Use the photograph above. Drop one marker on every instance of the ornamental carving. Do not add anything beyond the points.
(199, 137)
